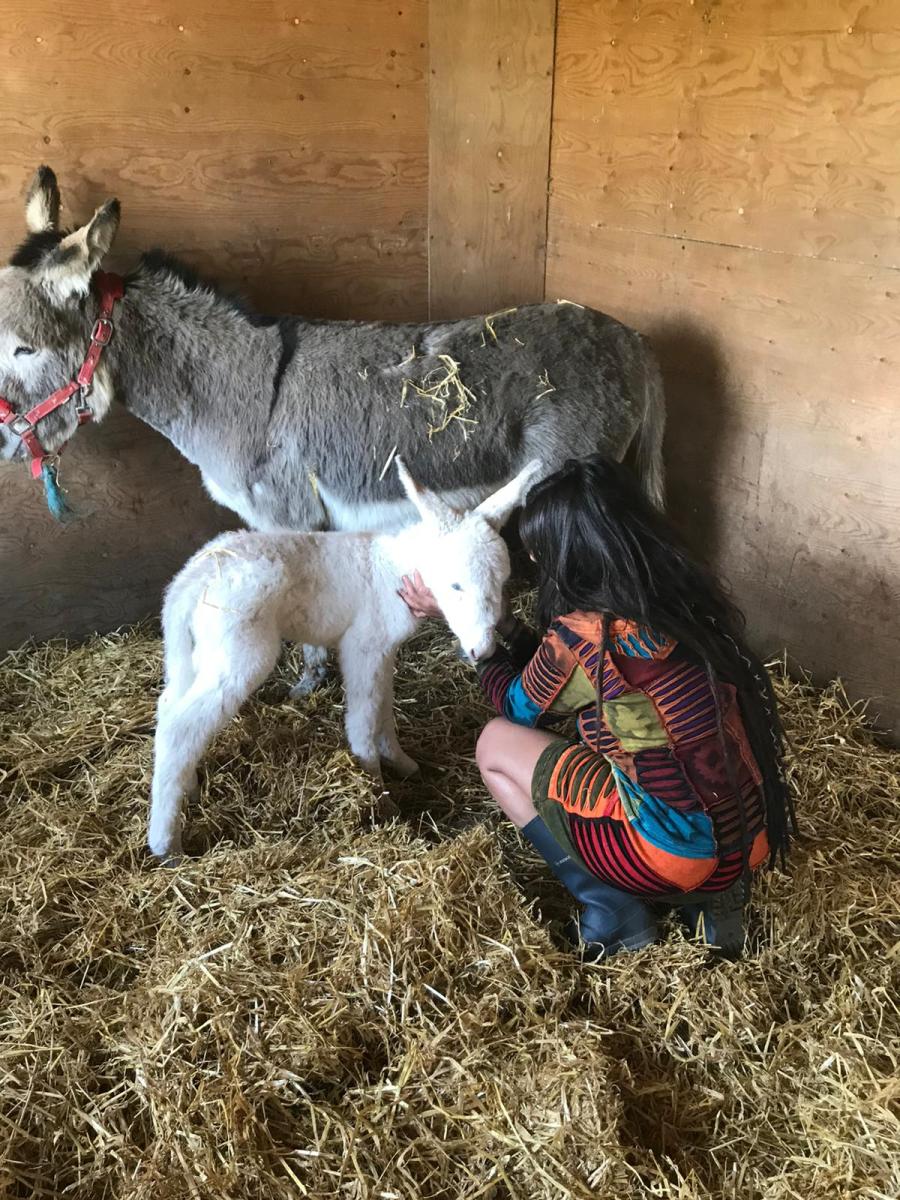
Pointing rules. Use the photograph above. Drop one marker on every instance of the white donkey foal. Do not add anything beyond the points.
(228, 611)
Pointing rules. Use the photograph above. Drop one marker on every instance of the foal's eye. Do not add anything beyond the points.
(457, 587)
(23, 350)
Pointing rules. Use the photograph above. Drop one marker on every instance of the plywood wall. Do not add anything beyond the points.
(490, 89)
(281, 148)
(725, 176)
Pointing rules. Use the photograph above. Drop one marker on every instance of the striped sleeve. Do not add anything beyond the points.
(532, 697)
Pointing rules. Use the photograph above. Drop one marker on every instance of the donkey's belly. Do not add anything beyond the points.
(386, 516)
(370, 516)
(251, 509)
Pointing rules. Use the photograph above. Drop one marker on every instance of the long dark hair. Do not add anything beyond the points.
(600, 546)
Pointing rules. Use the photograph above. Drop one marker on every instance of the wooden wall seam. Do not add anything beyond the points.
(550, 147)
(701, 241)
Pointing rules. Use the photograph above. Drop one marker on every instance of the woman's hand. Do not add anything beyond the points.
(418, 598)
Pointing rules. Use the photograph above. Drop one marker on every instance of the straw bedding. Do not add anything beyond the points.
(317, 1006)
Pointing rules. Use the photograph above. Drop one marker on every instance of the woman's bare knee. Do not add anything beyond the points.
(507, 755)
(488, 748)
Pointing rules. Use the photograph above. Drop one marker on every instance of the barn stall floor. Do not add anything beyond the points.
(316, 1007)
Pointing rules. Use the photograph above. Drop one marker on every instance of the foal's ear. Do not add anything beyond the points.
(496, 510)
(42, 202)
(431, 507)
(66, 269)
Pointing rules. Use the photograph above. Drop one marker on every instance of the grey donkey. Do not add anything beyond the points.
(294, 422)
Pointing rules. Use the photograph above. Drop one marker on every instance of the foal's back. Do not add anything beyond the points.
(301, 586)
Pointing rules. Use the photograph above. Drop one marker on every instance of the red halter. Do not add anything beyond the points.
(110, 288)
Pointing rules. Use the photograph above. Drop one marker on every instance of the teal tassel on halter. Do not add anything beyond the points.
(56, 500)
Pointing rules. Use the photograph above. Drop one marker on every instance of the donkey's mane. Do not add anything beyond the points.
(35, 246)
(158, 262)
(161, 264)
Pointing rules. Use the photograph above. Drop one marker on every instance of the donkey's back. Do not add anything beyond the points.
(469, 401)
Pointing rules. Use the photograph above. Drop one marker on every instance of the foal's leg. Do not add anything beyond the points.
(187, 726)
(389, 746)
(178, 645)
(315, 669)
(364, 669)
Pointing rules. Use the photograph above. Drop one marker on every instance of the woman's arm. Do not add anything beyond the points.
(550, 686)
(528, 680)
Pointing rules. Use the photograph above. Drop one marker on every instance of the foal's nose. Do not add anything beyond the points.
(485, 650)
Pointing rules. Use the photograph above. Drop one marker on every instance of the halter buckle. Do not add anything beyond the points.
(102, 331)
(20, 425)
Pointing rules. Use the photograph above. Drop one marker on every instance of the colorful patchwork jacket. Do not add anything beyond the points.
(658, 728)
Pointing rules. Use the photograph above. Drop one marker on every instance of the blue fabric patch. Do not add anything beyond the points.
(686, 835)
(636, 646)
(518, 705)
(644, 644)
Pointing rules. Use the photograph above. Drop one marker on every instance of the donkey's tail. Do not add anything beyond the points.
(648, 441)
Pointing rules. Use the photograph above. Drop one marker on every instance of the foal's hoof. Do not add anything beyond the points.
(385, 808)
(309, 682)
(168, 856)
(404, 767)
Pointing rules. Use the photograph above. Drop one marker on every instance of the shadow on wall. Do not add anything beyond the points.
(824, 610)
(802, 583)
(701, 430)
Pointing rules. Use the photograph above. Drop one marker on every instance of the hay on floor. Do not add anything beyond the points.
(315, 1007)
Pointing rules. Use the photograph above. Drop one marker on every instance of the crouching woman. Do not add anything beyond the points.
(673, 792)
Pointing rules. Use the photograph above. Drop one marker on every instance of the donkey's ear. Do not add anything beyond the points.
(431, 507)
(42, 202)
(497, 508)
(66, 270)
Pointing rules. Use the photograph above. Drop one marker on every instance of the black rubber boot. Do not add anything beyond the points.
(716, 918)
(611, 920)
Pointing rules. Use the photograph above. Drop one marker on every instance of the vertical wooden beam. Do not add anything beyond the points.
(490, 100)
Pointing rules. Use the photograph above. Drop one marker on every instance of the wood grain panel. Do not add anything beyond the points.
(771, 123)
(489, 125)
(281, 148)
(784, 421)
(229, 130)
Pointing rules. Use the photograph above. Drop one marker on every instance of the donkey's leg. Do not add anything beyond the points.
(388, 744)
(188, 725)
(315, 660)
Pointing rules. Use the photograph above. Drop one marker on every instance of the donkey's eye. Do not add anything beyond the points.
(457, 587)
(23, 350)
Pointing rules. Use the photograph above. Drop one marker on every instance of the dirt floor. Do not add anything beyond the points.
(313, 1006)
